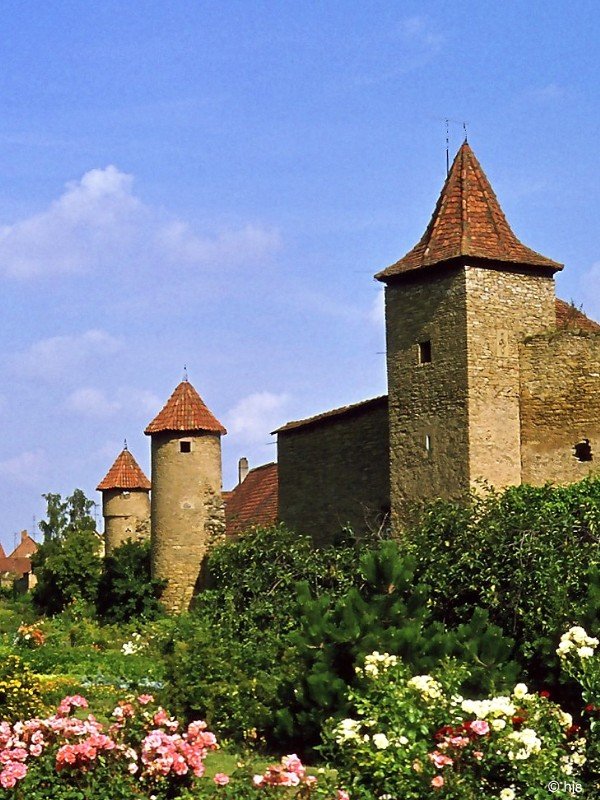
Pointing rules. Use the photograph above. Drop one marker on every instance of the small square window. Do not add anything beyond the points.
(425, 352)
(185, 447)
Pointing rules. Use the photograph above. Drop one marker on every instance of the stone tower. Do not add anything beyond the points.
(125, 502)
(457, 306)
(187, 506)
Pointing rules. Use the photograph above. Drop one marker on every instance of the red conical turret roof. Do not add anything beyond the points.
(185, 411)
(125, 473)
(467, 221)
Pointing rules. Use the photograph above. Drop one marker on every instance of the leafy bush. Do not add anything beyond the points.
(411, 735)
(529, 556)
(126, 590)
(388, 612)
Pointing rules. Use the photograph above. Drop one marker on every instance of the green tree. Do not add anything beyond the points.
(127, 591)
(68, 563)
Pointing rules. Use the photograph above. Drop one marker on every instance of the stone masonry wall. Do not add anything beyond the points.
(126, 516)
(187, 510)
(503, 306)
(560, 406)
(428, 401)
(335, 472)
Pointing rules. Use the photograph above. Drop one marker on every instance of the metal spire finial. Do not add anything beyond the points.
(465, 130)
(447, 147)
(185, 373)
(124, 444)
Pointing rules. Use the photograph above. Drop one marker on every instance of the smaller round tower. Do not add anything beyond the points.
(187, 503)
(125, 502)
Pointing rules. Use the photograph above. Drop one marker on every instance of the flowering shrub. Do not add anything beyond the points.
(413, 736)
(20, 689)
(580, 659)
(142, 753)
(30, 636)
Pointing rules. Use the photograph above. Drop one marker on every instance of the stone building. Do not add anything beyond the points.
(187, 506)
(490, 379)
(125, 502)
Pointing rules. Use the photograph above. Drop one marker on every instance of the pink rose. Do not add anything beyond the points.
(221, 779)
(437, 782)
(480, 727)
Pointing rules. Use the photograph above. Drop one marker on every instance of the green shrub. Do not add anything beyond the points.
(126, 591)
(20, 690)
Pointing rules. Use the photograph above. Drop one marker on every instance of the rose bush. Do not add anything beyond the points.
(415, 736)
(141, 753)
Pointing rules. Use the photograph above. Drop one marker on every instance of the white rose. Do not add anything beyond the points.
(380, 741)
(585, 652)
(507, 794)
(520, 690)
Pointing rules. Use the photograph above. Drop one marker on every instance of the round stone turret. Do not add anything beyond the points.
(125, 502)
(187, 507)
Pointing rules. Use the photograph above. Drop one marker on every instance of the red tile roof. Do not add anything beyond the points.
(15, 566)
(26, 547)
(2, 551)
(330, 416)
(125, 473)
(467, 221)
(254, 501)
(185, 411)
(569, 316)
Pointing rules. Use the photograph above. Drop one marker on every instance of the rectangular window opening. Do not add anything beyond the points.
(428, 444)
(425, 352)
(185, 447)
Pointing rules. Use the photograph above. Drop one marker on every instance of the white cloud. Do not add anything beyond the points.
(91, 402)
(96, 403)
(547, 94)
(98, 224)
(59, 356)
(254, 417)
(418, 29)
(27, 468)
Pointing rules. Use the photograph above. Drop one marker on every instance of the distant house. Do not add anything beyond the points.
(16, 568)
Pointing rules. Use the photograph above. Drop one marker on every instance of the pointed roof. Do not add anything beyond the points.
(185, 411)
(125, 473)
(467, 221)
(26, 547)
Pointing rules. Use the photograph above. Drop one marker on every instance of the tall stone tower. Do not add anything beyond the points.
(125, 502)
(187, 506)
(457, 306)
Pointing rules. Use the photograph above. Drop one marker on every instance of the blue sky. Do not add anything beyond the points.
(215, 184)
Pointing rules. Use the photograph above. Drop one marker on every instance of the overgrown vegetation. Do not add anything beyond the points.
(271, 653)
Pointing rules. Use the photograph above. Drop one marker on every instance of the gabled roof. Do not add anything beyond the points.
(125, 473)
(2, 551)
(467, 221)
(331, 416)
(26, 547)
(254, 501)
(185, 411)
(15, 566)
(570, 317)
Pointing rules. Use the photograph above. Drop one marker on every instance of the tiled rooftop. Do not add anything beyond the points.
(185, 411)
(125, 473)
(467, 221)
(26, 547)
(254, 501)
(569, 316)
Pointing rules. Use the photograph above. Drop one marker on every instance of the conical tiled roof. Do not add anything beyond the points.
(125, 473)
(467, 221)
(185, 411)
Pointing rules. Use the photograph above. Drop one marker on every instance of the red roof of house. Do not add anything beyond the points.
(569, 316)
(185, 411)
(125, 473)
(15, 566)
(26, 547)
(254, 501)
(330, 416)
(2, 551)
(467, 221)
